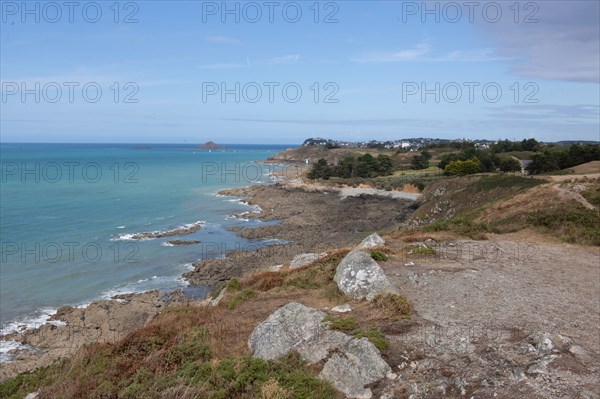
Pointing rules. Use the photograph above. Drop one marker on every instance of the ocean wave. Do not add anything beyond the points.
(32, 320)
(8, 346)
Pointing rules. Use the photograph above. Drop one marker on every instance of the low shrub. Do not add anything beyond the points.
(379, 256)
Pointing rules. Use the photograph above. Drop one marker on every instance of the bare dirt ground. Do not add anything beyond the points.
(476, 304)
(562, 178)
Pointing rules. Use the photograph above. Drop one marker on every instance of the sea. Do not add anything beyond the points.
(70, 213)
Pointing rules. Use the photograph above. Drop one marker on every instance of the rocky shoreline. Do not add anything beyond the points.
(311, 221)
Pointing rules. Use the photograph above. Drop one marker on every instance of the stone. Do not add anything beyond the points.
(526, 348)
(359, 276)
(358, 364)
(349, 363)
(374, 240)
(275, 268)
(546, 342)
(287, 328)
(345, 308)
(580, 353)
(518, 374)
(306, 259)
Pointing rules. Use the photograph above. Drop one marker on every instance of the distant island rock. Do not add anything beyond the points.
(211, 145)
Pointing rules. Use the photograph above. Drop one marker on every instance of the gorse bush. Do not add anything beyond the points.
(379, 256)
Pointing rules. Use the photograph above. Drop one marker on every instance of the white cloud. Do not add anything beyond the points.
(279, 60)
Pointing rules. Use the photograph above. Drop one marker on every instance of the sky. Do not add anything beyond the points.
(279, 71)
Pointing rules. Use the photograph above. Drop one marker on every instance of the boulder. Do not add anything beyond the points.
(349, 363)
(359, 364)
(287, 328)
(374, 240)
(306, 259)
(359, 276)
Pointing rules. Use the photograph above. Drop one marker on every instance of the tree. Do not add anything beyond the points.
(320, 170)
(420, 161)
(545, 161)
(529, 145)
(447, 158)
(384, 165)
(461, 168)
(509, 164)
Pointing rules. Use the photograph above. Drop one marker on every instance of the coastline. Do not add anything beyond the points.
(306, 219)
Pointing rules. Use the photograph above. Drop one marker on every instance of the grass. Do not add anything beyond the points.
(176, 356)
(592, 195)
(422, 250)
(345, 324)
(379, 256)
(460, 225)
(375, 336)
(577, 225)
(201, 352)
(350, 326)
(245, 295)
(504, 181)
(394, 306)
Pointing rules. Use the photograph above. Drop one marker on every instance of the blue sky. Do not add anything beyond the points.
(366, 70)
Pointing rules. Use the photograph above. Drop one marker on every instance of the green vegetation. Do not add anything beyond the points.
(170, 358)
(395, 306)
(555, 158)
(574, 225)
(461, 168)
(363, 166)
(461, 226)
(350, 325)
(379, 256)
(233, 284)
(512, 182)
(243, 296)
(592, 195)
(375, 336)
(344, 324)
(509, 164)
(509, 146)
(421, 161)
(319, 275)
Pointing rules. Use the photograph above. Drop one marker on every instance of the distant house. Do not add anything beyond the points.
(524, 163)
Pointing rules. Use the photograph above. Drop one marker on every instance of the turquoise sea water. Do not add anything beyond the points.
(67, 211)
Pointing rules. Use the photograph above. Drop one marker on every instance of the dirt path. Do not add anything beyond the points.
(570, 194)
(478, 301)
(345, 192)
(562, 178)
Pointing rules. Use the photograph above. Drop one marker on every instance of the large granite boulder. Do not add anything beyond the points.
(359, 364)
(374, 240)
(350, 363)
(359, 276)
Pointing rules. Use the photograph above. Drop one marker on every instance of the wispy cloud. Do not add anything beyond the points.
(219, 39)
(278, 60)
(418, 51)
(424, 52)
(285, 59)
